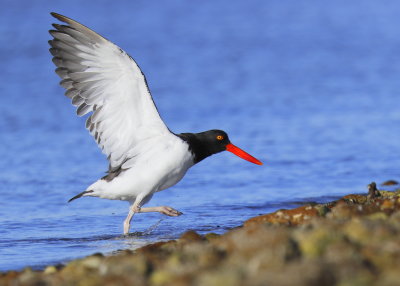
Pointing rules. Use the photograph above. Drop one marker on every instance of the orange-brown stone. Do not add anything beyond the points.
(286, 217)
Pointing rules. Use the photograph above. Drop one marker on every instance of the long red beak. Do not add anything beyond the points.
(242, 154)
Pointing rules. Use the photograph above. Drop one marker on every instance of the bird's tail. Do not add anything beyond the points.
(80, 195)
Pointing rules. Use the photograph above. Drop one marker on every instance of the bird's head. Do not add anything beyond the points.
(214, 141)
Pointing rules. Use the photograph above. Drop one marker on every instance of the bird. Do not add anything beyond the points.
(144, 156)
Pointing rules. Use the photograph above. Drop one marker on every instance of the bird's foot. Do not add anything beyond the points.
(164, 210)
(169, 211)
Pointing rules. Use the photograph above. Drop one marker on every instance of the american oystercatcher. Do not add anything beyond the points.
(144, 155)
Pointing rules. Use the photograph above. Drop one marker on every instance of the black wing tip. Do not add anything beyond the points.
(52, 32)
(61, 18)
(57, 16)
(72, 24)
(57, 26)
(80, 195)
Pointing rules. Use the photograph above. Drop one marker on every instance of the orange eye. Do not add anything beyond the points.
(220, 137)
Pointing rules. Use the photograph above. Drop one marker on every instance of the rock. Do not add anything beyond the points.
(314, 241)
(50, 270)
(210, 236)
(92, 262)
(220, 278)
(390, 183)
(191, 236)
(28, 276)
(161, 277)
(372, 191)
(286, 217)
(355, 199)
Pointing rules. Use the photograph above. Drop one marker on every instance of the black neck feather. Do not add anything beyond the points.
(197, 146)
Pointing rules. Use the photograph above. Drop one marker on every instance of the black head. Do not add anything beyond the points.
(205, 144)
(215, 140)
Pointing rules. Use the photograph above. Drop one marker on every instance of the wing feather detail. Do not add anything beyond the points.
(101, 79)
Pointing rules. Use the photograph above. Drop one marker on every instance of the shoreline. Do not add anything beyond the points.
(349, 241)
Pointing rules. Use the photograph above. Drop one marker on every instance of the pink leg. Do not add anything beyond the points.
(132, 210)
(164, 210)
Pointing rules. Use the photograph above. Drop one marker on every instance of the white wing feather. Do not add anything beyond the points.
(103, 79)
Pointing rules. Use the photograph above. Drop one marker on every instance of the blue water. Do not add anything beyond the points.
(312, 88)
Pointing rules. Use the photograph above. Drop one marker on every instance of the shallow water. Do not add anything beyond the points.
(311, 89)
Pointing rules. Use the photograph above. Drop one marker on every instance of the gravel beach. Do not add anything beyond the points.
(350, 241)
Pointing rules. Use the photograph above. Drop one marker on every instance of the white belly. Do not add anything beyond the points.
(156, 169)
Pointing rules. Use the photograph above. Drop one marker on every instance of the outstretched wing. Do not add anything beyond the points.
(101, 78)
